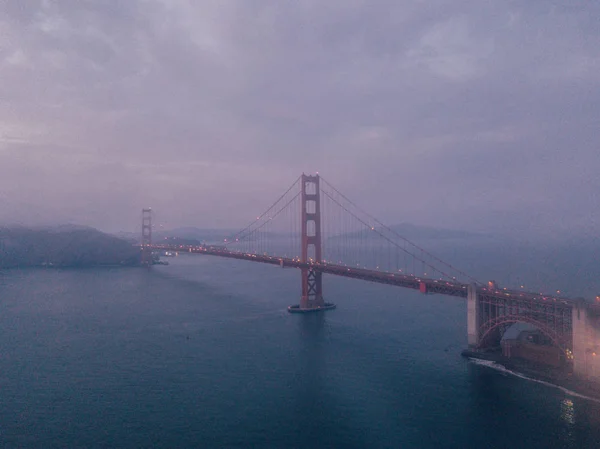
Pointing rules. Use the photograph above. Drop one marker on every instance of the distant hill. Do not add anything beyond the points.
(63, 246)
(191, 235)
(414, 232)
(186, 233)
(202, 235)
(411, 231)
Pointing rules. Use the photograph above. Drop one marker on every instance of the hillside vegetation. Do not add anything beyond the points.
(63, 247)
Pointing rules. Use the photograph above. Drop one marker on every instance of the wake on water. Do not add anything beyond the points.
(502, 369)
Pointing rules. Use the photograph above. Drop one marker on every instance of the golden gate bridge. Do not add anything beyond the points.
(315, 228)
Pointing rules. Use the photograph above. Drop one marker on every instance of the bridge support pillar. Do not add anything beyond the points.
(146, 257)
(473, 316)
(586, 342)
(312, 279)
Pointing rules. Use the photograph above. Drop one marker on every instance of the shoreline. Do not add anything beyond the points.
(553, 377)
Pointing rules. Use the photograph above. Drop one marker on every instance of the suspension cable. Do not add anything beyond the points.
(398, 235)
(233, 237)
(284, 207)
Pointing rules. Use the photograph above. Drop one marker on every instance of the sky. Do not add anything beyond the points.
(463, 114)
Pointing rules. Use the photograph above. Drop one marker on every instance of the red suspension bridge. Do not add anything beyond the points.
(317, 229)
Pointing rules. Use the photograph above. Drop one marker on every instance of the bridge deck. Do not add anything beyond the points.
(439, 286)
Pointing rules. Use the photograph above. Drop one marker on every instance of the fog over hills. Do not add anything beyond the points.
(536, 264)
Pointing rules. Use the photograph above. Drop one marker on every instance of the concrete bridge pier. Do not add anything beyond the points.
(586, 342)
(473, 316)
(482, 308)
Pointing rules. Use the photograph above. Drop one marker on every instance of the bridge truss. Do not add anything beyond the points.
(500, 310)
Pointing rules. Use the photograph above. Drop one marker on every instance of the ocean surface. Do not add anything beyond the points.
(202, 353)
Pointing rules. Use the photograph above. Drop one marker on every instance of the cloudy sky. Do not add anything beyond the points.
(469, 114)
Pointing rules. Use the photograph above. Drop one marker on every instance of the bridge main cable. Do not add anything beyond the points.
(376, 221)
(237, 235)
(386, 237)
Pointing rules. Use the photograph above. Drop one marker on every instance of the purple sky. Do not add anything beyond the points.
(478, 115)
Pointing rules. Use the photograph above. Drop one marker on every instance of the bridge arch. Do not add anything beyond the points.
(488, 329)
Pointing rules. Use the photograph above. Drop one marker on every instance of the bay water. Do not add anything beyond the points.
(202, 353)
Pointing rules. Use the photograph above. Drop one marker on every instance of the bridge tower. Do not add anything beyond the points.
(312, 279)
(146, 237)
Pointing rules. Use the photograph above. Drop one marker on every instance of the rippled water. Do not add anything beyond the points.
(202, 353)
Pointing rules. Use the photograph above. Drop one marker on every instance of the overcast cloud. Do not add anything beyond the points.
(481, 115)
